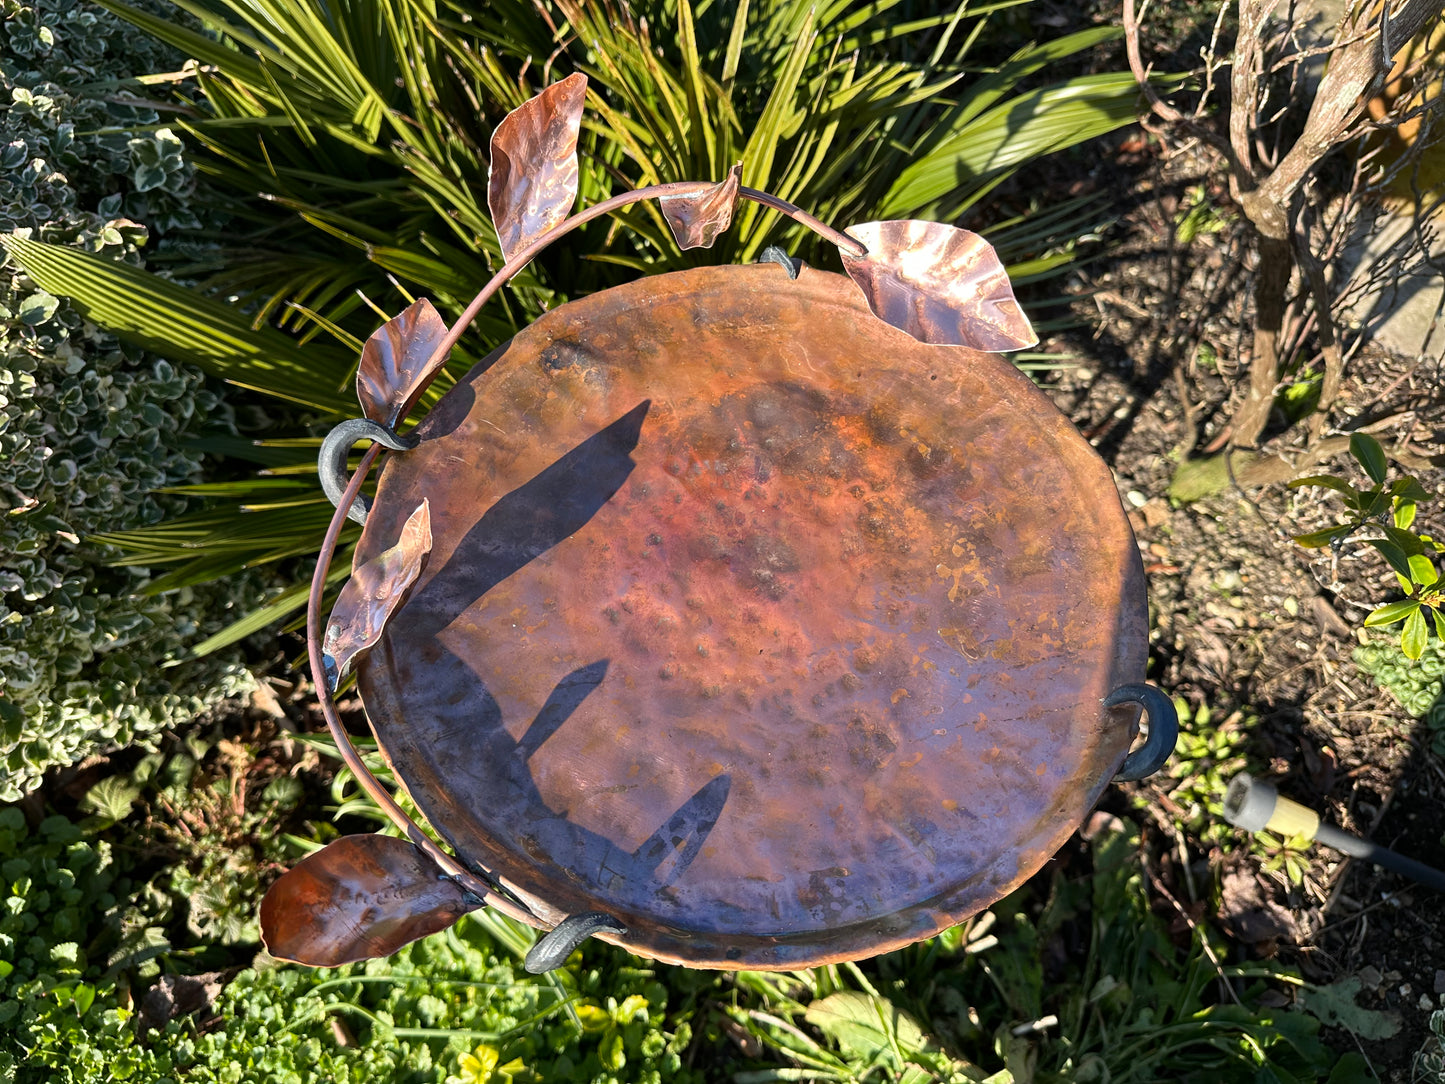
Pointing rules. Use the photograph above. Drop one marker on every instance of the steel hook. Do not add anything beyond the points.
(335, 450)
(553, 948)
(774, 254)
(1163, 730)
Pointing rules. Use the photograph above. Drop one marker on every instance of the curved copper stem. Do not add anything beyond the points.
(349, 756)
(851, 245)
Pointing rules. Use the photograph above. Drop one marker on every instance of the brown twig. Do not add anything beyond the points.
(1161, 108)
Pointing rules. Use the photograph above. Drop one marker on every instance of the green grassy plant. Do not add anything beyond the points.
(224, 842)
(975, 1003)
(1072, 978)
(1208, 754)
(1127, 1004)
(440, 1011)
(69, 936)
(453, 1008)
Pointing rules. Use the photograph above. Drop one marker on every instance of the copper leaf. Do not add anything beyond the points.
(394, 367)
(375, 591)
(358, 898)
(696, 220)
(532, 182)
(940, 284)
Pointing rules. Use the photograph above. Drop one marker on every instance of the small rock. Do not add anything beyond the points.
(1392, 976)
(1137, 499)
(1425, 1002)
(1228, 580)
(1156, 512)
(1440, 980)
(1406, 989)
(1291, 606)
(1369, 977)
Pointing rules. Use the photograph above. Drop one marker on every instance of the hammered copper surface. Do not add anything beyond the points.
(397, 363)
(532, 177)
(697, 220)
(358, 898)
(940, 284)
(754, 622)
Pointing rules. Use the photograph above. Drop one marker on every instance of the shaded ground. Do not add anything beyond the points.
(1251, 627)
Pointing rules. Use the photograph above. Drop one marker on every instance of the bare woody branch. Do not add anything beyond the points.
(1157, 105)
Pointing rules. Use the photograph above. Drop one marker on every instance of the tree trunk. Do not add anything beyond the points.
(1271, 287)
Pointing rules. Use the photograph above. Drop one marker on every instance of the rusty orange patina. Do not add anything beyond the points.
(754, 622)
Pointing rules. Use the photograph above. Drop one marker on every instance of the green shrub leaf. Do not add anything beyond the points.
(37, 308)
(1409, 489)
(1316, 539)
(1327, 481)
(1334, 1005)
(1408, 542)
(1392, 552)
(1421, 570)
(111, 798)
(1366, 449)
(867, 1027)
(1414, 635)
(1391, 612)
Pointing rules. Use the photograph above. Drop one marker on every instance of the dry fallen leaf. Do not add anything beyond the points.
(1249, 914)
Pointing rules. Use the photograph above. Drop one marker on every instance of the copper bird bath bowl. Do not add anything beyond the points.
(741, 619)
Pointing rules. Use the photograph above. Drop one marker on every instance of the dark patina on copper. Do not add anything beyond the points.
(754, 622)
(357, 898)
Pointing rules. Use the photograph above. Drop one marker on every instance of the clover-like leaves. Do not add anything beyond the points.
(375, 591)
(397, 363)
(697, 220)
(940, 284)
(532, 181)
(358, 898)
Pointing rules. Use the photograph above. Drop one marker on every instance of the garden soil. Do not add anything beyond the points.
(1247, 625)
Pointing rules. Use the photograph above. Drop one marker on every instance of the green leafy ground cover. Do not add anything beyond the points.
(91, 431)
(1418, 685)
(84, 939)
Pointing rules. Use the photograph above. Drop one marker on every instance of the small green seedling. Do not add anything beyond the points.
(1389, 509)
(1288, 855)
